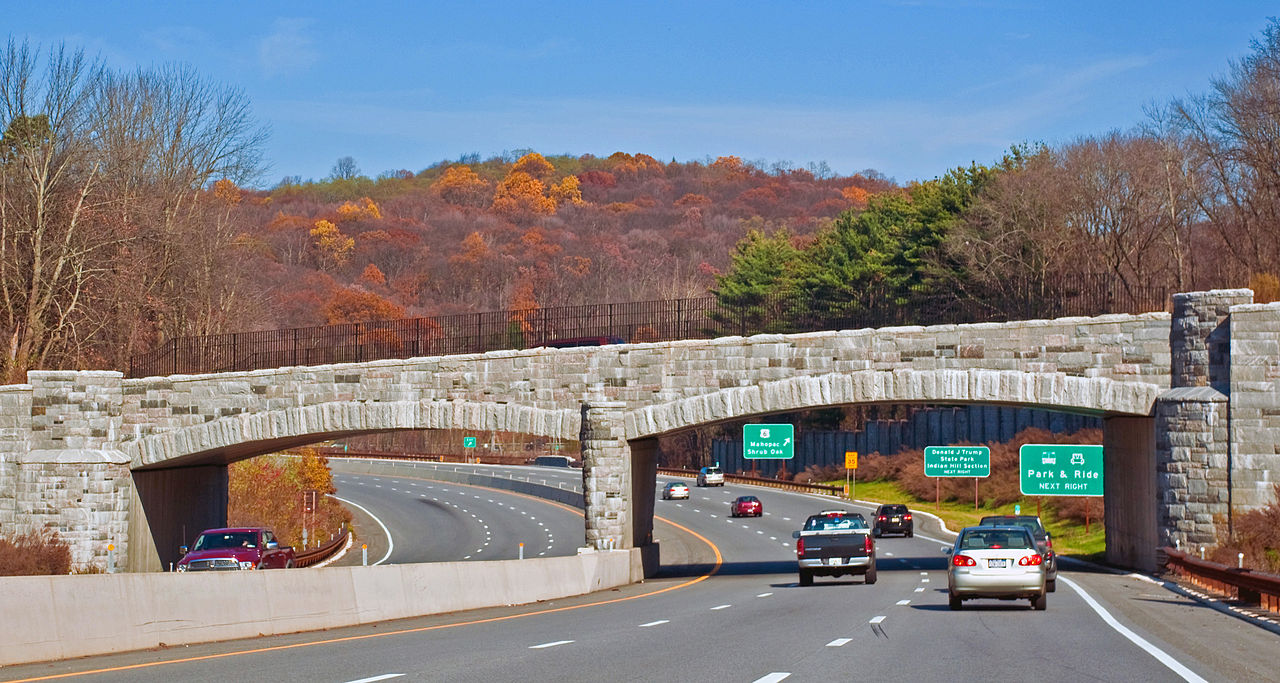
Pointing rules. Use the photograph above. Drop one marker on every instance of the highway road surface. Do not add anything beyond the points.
(725, 608)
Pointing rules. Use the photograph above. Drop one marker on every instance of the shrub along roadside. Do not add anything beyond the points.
(1257, 535)
(33, 554)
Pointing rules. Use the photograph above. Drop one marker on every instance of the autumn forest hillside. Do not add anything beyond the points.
(520, 231)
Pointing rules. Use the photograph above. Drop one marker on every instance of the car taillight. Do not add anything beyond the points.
(963, 561)
(1048, 543)
(800, 547)
(907, 516)
(1031, 560)
(881, 518)
(866, 543)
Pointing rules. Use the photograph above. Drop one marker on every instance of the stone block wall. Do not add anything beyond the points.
(1255, 404)
(1199, 345)
(606, 475)
(1191, 465)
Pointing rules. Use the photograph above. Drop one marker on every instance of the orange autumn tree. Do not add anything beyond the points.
(856, 195)
(461, 186)
(270, 491)
(373, 276)
(524, 305)
(535, 165)
(567, 191)
(353, 305)
(521, 195)
(332, 249)
(365, 209)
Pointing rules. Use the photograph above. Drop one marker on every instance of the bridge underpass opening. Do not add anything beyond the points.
(1129, 510)
(178, 500)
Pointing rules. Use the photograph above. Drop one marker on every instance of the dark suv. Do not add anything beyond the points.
(893, 519)
(1044, 542)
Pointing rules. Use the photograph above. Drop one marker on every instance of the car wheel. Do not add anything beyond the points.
(870, 577)
(806, 579)
(875, 532)
(1040, 602)
(954, 602)
(911, 534)
(1051, 585)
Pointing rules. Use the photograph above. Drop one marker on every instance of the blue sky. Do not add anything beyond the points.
(909, 88)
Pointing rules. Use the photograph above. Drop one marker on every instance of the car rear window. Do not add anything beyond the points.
(1029, 523)
(895, 509)
(833, 523)
(712, 470)
(994, 539)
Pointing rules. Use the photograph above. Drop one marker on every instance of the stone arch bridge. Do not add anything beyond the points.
(1190, 401)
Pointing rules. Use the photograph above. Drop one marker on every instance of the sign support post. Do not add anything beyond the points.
(850, 466)
(937, 494)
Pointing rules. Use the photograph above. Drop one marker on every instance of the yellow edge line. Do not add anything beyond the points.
(277, 648)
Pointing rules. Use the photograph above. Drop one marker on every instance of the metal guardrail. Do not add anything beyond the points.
(1246, 585)
(822, 489)
(315, 556)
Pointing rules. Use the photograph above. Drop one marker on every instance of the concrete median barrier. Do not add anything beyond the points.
(58, 617)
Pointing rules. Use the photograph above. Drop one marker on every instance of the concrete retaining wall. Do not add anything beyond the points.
(57, 617)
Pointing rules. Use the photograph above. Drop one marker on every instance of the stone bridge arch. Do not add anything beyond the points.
(620, 469)
(181, 475)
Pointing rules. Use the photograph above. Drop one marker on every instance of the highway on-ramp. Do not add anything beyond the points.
(727, 608)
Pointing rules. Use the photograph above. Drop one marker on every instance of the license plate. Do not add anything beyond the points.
(833, 560)
(896, 519)
(997, 564)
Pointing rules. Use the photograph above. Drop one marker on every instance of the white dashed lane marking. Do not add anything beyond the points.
(839, 642)
(721, 607)
(764, 595)
(655, 623)
(876, 620)
(904, 602)
(773, 677)
(920, 589)
(551, 644)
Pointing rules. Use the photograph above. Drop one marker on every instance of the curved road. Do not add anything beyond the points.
(745, 621)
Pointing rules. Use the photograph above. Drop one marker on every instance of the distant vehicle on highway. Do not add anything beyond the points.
(893, 519)
(1000, 562)
(835, 543)
(584, 341)
(234, 549)
(675, 489)
(1044, 541)
(746, 506)
(710, 476)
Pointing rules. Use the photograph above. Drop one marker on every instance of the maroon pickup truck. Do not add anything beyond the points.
(235, 549)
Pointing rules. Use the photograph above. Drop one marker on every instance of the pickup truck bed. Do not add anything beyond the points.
(835, 545)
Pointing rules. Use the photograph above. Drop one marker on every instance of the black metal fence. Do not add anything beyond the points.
(643, 321)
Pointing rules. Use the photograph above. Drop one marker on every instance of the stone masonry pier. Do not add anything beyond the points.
(1191, 408)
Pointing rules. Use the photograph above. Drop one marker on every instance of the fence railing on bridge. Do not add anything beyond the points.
(642, 321)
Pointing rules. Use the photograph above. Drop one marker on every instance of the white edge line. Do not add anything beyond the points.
(391, 544)
(1160, 655)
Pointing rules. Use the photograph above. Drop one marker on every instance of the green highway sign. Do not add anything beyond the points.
(957, 461)
(768, 441)
(1060, 470)
(468, 442)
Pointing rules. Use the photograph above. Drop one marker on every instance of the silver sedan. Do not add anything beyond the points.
(995, 562)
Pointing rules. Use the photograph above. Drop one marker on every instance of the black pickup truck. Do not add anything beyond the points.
(835, 543)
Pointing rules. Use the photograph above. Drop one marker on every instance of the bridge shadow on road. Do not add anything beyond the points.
(788, 567)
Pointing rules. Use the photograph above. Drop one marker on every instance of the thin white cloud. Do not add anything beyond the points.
(289, 49)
